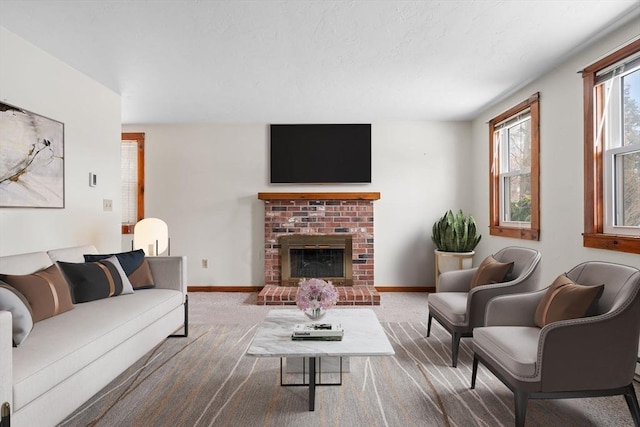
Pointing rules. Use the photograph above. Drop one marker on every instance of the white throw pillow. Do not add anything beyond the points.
(22, 318)
(127, 287)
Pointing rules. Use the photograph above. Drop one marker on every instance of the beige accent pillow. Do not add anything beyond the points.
(46, 291)
(491, 271)
(566, 300)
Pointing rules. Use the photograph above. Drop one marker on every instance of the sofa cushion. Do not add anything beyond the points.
(566, 300)
(134, 265)
(451, 306)
(24, 263)
(514, 348)
(90, 281)
(22, 318)
(47, 291)
(490, 271)
(62, 345)
(71, 254)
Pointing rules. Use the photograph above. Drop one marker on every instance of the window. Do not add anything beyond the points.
(132, 170)
(612, 151)
(514, 171)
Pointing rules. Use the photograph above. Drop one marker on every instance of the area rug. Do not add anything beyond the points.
(206, 380)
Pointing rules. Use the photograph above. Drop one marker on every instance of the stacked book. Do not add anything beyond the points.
(317, 332)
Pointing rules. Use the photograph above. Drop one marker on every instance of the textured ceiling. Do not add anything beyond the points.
(297, 61)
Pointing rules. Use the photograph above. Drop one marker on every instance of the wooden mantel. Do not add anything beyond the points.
(319, 196)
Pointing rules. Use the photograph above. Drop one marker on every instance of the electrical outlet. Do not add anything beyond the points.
(205, 263)
(107, 205)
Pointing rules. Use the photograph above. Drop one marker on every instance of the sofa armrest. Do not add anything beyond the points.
(513, 310)
(456, 280)
(6, 356)
(169, 272)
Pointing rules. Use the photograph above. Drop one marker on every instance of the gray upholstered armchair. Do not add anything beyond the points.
(583, 357)
(459, 309)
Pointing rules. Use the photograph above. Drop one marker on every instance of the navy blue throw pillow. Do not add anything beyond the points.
(129, 261)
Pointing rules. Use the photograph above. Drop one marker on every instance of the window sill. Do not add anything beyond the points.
(514, 233)
(612, 242)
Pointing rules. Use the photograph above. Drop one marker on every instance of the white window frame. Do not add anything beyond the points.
(613, 151)
(501, 134)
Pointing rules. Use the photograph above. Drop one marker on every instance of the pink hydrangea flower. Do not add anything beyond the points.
(316, 293)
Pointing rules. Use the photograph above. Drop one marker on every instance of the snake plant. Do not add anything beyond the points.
(455, 233)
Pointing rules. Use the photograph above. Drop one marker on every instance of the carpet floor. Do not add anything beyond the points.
(206, 380)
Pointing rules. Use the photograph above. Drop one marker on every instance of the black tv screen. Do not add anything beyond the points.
(321, 153)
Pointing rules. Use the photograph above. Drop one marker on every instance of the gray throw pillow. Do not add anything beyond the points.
(22, 317)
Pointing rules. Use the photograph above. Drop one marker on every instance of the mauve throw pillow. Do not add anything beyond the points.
(134, 265)
(491, 271)
(46, 291)
(566, 300)
(21, 315)
(90, 281)
(141, 277)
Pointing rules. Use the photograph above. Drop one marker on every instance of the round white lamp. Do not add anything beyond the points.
(151, 235)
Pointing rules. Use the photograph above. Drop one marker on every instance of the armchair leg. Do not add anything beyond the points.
(632, 403)
(474, 371)
(455, 345)
(429, 325)
(520, 400)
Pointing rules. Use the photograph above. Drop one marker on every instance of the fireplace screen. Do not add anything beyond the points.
(316, 262)
(326, 257)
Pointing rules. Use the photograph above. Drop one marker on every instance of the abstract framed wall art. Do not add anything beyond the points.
(31, 159)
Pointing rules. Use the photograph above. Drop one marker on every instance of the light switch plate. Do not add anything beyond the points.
(107, 205)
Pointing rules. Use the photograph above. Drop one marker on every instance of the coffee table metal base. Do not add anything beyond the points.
(312, 384)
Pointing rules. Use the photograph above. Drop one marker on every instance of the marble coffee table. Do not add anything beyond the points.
(363, 336)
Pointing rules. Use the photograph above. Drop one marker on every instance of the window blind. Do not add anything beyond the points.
(129, 171)
(622, 67)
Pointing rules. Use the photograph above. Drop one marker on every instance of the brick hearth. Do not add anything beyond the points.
(347, 295)
(320, 214)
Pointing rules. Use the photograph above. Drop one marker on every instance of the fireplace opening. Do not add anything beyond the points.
(312, 262)
(326, 257)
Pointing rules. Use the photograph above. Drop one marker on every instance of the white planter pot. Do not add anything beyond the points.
(449, 261)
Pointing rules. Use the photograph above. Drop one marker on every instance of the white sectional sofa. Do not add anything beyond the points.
(68, 358)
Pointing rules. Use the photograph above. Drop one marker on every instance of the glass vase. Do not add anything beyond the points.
(315, 313)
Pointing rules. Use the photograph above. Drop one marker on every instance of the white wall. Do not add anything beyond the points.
(203, 180)
(561, 165)
(34, 80)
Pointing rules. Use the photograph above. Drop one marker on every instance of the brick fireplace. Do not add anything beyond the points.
(325, 216)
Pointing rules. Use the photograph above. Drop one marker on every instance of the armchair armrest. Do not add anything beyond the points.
(169, 272)
(590, 353)
(456, 280)
(480, 296)
(513, 310)
(6, 356)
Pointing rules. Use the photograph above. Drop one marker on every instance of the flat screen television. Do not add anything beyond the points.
(321, 153)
